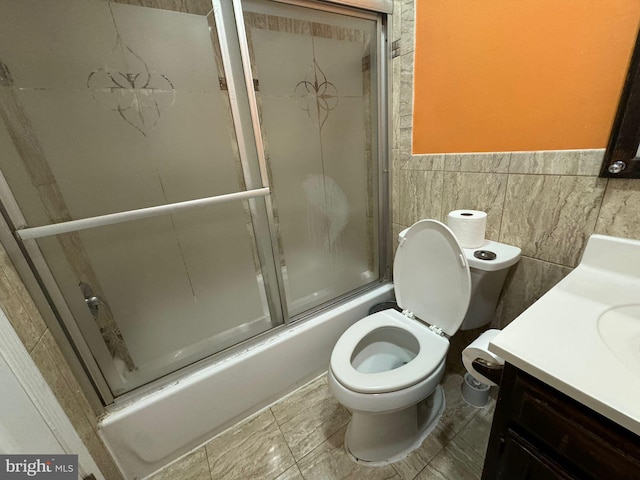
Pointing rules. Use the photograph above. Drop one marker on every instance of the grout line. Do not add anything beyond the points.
(550, 262)
(433, 457)
(604, 194)
(291, 393)
(40, 339)
(504, 198)
(206, 456)
(340, 431)
(286, 442)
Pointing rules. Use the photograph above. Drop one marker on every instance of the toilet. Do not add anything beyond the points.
(386, 368)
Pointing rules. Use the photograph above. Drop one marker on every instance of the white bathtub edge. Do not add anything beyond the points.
(166, 424)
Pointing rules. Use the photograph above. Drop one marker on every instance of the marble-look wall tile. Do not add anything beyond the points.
(264, 450)
(457, 343)
(407, 35)
(424, 162)
(396, 68)
(527, 281)
(620, 212)
(557, 162)
(478, 162)
(194, 466)
(37, 339)
(100, 454)
(417, 195)
(406, 84)
(396, 229)
(198, 7)
(406, 121)
(404, 157)
(309, 416)
(396, 18)
(522, 162)
(551, 217)
(18, 305)
(404, 138)
(64, 370)
(476, 191)
(590, 161)
(396, 196)
(46, 363)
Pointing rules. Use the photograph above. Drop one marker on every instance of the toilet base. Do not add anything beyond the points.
(380, 439)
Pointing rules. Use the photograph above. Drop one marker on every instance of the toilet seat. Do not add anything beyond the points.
(386, 368)
(432, 350)
(432, 282)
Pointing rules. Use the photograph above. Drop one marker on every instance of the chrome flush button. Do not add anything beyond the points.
(484, 255)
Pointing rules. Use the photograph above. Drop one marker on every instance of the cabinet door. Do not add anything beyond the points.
(519, 460)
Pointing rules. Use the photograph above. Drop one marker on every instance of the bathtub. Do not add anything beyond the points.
(145, 433)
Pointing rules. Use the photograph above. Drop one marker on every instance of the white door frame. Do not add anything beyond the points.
(37, 405)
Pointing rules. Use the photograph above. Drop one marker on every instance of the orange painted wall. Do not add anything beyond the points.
(510, 75)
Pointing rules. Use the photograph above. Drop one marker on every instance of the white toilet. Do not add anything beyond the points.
(386, 368)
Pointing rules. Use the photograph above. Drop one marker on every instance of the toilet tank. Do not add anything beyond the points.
(489, 266)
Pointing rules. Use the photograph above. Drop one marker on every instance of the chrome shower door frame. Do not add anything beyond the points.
(374, 10)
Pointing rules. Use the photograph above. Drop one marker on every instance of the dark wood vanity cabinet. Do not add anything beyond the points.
(539, 433)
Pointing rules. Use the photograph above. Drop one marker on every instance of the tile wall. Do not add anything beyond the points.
(547, 203)
(25, 318)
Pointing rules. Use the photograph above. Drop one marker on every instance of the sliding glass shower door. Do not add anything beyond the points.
(170, 211)
(317, 98)
(103, 112)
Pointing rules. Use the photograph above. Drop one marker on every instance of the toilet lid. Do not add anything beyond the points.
(431, 275)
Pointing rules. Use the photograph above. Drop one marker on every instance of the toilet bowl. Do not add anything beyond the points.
(380, 365)
(386, 368)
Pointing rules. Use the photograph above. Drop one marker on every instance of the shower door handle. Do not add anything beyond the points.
(92, 300)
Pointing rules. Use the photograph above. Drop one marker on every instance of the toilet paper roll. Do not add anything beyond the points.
(468, 226)
(479, 348)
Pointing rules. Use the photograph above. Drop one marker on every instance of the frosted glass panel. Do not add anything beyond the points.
(120, 112)
(181, 287)
(107, 107)
(320, 132)
(111, 106)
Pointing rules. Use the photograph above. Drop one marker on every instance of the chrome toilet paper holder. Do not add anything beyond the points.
(493, 371)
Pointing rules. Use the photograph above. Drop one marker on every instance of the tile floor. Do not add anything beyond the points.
(300, 437)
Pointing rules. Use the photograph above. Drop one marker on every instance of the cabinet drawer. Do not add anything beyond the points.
(589, 442)
(522, 460)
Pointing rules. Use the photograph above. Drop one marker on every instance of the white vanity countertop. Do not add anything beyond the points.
(558, 341)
